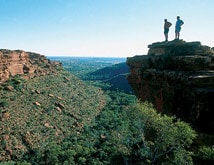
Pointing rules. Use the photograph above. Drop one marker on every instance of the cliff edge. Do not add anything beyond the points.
(178, 78)
(26, 64)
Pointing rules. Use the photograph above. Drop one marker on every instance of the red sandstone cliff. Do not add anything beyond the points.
(26, 64)
(178, 78)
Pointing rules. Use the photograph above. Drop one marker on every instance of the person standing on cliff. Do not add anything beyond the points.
(178, 25)
(166, 28)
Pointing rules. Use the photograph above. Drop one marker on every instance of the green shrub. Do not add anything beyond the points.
(8, 163)
(3, 103)
(207, 152)
(138, 134)
(15, 81)
(146, 136)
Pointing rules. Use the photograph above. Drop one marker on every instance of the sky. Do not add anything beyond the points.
(104, 28)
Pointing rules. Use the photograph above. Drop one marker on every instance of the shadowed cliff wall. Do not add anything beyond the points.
(178, 78)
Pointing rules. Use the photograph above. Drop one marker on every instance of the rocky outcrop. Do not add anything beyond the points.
(178, 78)
(26, 64)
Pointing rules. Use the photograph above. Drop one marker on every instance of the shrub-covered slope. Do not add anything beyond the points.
(59, 119)
(44, 109)
(115, 76)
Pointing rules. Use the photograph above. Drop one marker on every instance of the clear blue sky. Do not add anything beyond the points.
(100, 27)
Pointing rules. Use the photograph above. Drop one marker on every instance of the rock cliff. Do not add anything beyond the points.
(26, 64)
(178, 78)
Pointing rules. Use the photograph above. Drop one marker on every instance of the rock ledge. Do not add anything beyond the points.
(178, 78)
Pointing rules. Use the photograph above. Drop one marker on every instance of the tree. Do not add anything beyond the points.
(152, 138)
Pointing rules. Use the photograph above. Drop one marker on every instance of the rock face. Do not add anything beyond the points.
(26, 64)
(178, 78)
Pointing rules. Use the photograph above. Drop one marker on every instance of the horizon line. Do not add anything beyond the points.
(85, 56)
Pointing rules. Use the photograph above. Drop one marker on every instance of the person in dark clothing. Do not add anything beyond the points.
(166, 28)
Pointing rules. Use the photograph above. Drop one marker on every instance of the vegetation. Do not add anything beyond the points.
(128, 135)
(43, 110)
(59, 119)
(107, 73)
(83, 67)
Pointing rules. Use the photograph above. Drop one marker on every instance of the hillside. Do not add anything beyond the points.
(99, 70)
(44, 109)
(115, 76)
(110, 71)
(81, 66)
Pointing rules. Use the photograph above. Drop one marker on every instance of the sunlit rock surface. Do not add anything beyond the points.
(26, 64)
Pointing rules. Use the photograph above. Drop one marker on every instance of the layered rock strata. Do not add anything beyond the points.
(178, 78)
(26, 64)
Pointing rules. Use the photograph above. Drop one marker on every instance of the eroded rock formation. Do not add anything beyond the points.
(178, 78)
(26, 64)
